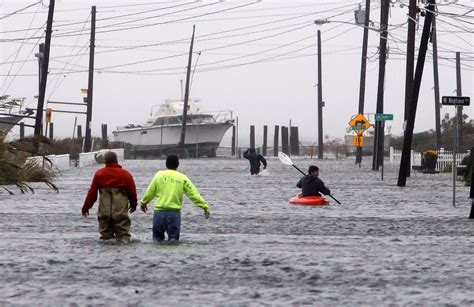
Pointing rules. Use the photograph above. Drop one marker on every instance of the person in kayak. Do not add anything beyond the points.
(255, 160)
(117, 189)
(311, 185)
(168, 187)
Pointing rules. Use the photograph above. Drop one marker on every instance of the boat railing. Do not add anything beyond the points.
(222, 116)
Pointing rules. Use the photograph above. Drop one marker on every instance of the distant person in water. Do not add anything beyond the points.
(117, 189)
(311, 185)
(168, 187)
(255, 160)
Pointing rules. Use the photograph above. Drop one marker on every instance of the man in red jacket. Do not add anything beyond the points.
(117, 189)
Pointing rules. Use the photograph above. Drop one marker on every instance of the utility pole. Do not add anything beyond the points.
(378, 150)
(44, 71)
(320, 101)
(40, 56)
(363, 69)
(90, 86)
(405, 161)
(434, 41)
(460, 140)
(186, 97)
(410, 61)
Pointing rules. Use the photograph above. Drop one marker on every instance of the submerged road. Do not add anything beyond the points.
(383, 245)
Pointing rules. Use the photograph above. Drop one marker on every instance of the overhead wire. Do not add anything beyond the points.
(18, 51)
(20, 10)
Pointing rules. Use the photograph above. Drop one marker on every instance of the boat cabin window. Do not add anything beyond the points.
(191, 119)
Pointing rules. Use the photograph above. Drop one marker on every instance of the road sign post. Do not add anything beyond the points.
(359, 124)
(380, 117)
(456, 101)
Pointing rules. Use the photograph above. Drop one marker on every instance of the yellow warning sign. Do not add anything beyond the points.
(359, 122)
(358, 141)
(49, 112)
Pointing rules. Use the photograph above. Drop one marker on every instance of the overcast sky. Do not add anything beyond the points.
(257, 58)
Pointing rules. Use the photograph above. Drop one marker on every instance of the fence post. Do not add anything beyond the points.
(391, 154)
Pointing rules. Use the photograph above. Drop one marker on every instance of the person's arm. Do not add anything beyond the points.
(91, 197)
(149, 194)
(246, 154)
(264, 162)
(132, 193)
(323, 188)
(193, 194)
(298, 185)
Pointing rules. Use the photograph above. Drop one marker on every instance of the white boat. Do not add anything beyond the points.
(161, 133)
(368, 137)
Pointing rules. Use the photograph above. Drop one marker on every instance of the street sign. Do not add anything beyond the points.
(358, 141)
(359, 120)
(455, 101)
(359, 128)
(379, 117)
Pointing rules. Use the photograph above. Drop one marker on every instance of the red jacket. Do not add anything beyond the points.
(111, 176)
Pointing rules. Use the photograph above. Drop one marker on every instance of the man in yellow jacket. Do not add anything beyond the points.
(168, 187)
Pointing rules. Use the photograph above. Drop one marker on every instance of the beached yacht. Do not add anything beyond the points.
(160, 134)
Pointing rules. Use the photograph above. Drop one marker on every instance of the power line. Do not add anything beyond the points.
(20, 10)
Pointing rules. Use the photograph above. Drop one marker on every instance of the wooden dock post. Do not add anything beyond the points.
(275, 140)
(294, 141)
(252, 136)
(264, 146)
(51, 131)
(233, 141)
(22, 131)
(79, 132)
(284, 140)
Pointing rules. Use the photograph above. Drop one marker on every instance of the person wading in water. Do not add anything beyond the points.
(168, 188)
(311, 185)
(255, 160)
(117, 189)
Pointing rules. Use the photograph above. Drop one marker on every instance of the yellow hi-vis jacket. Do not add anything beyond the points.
(168, 187)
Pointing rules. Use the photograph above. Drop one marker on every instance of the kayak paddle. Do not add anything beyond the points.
(287, 160)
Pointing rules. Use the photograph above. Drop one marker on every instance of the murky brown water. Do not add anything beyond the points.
(383, 245)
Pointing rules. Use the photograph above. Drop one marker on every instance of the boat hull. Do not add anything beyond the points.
(201, 140)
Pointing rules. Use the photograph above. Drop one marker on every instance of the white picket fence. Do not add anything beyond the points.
(445, 157)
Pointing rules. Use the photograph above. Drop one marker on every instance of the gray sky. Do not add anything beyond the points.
(258, 59)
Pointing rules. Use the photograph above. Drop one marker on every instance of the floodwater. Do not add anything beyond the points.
(384, 245)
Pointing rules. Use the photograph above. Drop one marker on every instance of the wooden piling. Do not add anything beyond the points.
(264, 146)
(294, 141)
(51, 131)
(79, 132)
(105, 140)
(22, 131)
(284, 140)
(275, 140)
(252, 136)
(233, 141)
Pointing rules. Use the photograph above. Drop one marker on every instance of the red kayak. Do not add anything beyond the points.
(309, 200)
